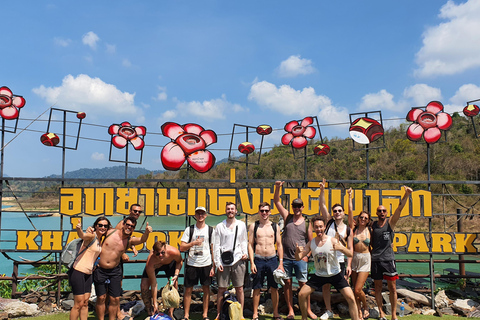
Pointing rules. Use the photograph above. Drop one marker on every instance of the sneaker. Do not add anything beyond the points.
(327, 315)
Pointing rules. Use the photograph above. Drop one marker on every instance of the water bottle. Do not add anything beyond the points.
(402, 309)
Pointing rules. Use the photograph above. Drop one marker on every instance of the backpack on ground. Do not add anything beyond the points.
(72, 250)
(231, 308)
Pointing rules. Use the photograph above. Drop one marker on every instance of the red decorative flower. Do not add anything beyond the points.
(471, 110)
(125, 132)
(298, 132)
(10, 104)
(428, 122)
(264, 129)
(50, 139)
(321, 150)
(188, 143)
(246, 147)
(365, 130)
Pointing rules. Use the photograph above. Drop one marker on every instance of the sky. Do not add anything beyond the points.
(223, 65)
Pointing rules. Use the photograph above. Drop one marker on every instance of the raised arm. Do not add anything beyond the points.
(396, 215)
(322, 207)
(351, 223)
(87, 237)
(278, 202)
(135, 241)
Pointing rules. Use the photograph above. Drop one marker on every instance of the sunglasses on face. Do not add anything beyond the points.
(160, 253)
(337, 210)
(297, 205)
(382, 210)
(363, 218)
(102, 225)
(263, 210)
(137, 211)
(130, 225)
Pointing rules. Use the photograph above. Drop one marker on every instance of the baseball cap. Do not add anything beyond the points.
(298, 201)
(201, 209)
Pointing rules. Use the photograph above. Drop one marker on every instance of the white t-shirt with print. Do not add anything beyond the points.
(198, 256)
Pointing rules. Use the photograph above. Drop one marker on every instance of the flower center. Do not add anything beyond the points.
(427, 120)
(127, 132)
(190, 143)
(298, 130)
(5, 101)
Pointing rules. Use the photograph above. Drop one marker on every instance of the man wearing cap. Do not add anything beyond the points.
(197, 241)
(296, 231)
(263, 234)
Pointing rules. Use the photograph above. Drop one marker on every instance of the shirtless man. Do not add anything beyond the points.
(262, 237)
(162, 257)
(108, 275)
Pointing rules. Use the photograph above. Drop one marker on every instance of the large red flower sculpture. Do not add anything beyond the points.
(125, 132)
(298, 132)
(428, 122)
(188, 143)
(10, 104)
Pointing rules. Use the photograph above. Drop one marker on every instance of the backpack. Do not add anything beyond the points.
(72, 250)
(257, 224)
(327, 227)
(231, 309)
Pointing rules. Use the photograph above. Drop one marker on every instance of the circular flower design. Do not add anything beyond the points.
(321, 150)
(471, 110)
(125, 132)
(10, 104)
(188, 143)
(49, 139)
(428, 122)
(246, 147)
(366, 130)
(264, 129)
(298, 132)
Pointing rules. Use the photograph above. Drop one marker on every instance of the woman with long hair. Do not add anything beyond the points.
(80, 274)
(361, 255)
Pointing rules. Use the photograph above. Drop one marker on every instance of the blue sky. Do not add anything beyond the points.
(219, 63)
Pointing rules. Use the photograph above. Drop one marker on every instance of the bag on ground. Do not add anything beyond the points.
(170, 297)
(231, 308)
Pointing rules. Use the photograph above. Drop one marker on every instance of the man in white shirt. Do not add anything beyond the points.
(197, 241)
(230, 239)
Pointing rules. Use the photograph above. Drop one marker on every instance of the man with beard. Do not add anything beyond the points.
(263, 234)
(108, 275)
(383, 258)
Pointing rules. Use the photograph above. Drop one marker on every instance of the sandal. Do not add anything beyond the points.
(205, 318)
(290, 317)
(277, 318)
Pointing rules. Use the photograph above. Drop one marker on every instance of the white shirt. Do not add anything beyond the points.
(198, 256)
(224, 238)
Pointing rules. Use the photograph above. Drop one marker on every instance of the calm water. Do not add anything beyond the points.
(13, 221)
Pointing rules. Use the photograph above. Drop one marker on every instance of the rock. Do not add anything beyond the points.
(420, 298)
(447, 311)
(20, 309)
(474, 314)
(455, 293)
(67, 305)
(374, 314)
(428, 312)
(343, 309)
(47, 307)
(441, 300)
(268, 306)
(3, 316)
(464, 306)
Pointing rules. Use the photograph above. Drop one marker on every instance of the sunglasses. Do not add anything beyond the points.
(264, 210)
(102, 225)
(382, 210)
(337, 210)
(297, 205)
(363, 218)
(137, 211)
(160, 253)
(130, 225)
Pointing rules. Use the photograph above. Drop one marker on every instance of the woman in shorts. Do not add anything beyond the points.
(361, 260)
(80, 274)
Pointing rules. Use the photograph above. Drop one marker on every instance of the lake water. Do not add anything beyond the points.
(13, 221)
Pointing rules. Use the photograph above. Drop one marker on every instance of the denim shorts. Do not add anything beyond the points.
(300, 267)
(265, 268)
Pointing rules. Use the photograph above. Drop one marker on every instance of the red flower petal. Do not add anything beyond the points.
(201, 161)
(307, 121)
(172, 156)
(119, 142)
(299, 142)
(125, 124)
(432, 135)
(141, 130)
(414, 132)
(209, 136)
(413, 114)
(444, 121)
(9, 113)
(193, 128)
(6, 91)
(172, 130)
(18, 102)
(137, 143)
(310, 132)
(286, 138)
(289, 126)
(113, 129)
(434, 107)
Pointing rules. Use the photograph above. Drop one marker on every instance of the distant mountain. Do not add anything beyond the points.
(116, 172)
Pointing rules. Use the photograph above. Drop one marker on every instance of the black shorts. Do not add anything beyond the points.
(80, 282)
(169, 270)
(338, 281)
(108, 280)
(384, 270)
(343, 269)
(195, 274)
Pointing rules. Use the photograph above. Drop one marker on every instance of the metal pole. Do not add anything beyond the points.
(461, 265)
(430, 244)
(1, 175)
(368, 166)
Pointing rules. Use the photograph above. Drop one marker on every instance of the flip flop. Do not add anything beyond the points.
(290, 317)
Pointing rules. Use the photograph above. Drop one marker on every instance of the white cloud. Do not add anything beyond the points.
(98, 156)
(295, 66)
(168, 115)
(111, 48)
(287, 100)
(90, 39)
(62, 42)
(467, 92)
(421, 94)
(378, 101)
(162, 95)
(453, 46)
(90, 95)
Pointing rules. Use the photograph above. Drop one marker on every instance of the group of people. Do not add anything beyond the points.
(225, 250)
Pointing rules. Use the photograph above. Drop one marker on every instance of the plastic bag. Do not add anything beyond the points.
(170, 297)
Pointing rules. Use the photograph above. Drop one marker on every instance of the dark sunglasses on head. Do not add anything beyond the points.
(137, 211)
(297, 205)
(381, 210)
(130, 225)
(264, 210)
(337, 210)
(160, 253)
(102, 225)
